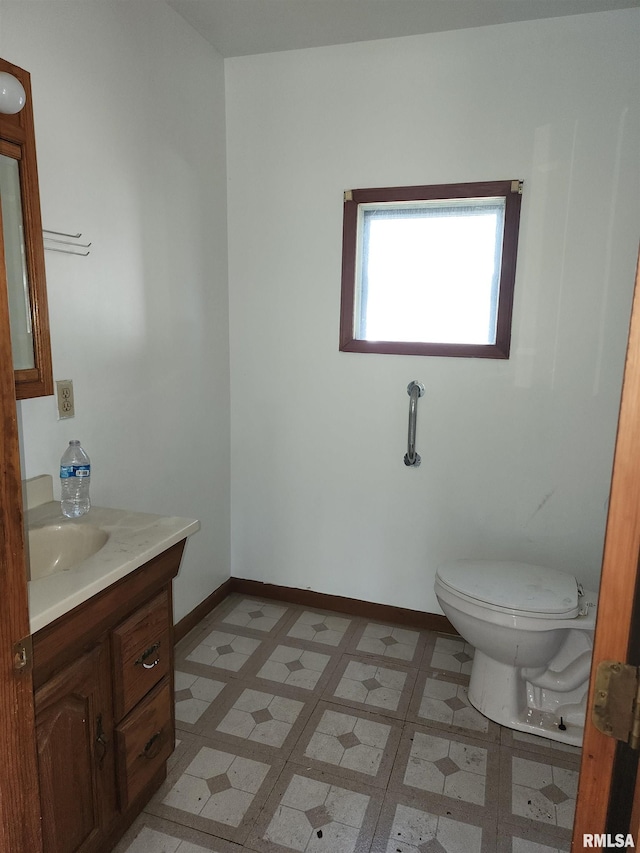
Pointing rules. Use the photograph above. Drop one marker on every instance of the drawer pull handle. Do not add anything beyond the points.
(101, 742)
(147, 654)
(154, 741)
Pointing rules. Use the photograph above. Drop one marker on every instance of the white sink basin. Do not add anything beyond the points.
(56, 547)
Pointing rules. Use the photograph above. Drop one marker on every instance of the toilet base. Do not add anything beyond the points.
(500, 693)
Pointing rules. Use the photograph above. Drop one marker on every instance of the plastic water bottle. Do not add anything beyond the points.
(75, 476)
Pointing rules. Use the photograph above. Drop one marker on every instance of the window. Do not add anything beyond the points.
(430, 270)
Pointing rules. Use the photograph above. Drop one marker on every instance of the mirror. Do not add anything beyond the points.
(22, 258)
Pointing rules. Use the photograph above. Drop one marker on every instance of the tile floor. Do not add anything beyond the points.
(304, 730)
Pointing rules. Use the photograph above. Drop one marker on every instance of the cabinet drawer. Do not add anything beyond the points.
(141, 653)
(144, 741)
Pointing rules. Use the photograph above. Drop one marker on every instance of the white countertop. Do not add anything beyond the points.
(134, 539)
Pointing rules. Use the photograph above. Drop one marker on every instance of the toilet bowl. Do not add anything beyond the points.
(532, 630)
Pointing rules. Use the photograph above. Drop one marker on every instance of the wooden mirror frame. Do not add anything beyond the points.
(18, 130)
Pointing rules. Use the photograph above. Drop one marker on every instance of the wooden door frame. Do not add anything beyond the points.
(618, 590)
(19, 793)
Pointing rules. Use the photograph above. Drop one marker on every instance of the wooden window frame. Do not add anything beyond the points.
(511, 191)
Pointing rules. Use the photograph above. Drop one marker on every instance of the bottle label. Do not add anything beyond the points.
(67, 471)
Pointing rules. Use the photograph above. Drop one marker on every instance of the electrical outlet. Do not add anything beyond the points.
(64, 391)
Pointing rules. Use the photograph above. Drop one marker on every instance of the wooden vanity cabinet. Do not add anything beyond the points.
(105, 726)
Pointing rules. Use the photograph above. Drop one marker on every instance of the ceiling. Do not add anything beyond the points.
(243, 27)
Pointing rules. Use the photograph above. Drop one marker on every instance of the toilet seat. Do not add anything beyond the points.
(511, 587)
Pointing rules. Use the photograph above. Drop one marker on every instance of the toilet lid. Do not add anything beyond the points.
(514, 586)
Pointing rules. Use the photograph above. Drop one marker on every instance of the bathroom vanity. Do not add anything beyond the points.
(103, 675)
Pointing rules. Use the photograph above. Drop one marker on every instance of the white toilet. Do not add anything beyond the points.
(532, 629)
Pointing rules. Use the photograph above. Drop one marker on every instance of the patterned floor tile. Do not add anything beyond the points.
(327, 628)
(360, 682)
(522, 845)
(216, 790)
(261, 717)
(449, 767)
(526, 742)
(193, 696)
(219, 651)
(184, 739)
(253, 715)
(448, 654)
(296, 729)
(191, 639)
(296, 667)
(538, 791)
(152, 835)
(389, 642)
(409, 827)
(218, 785)
(352, 744)
(316, 813)
(254, 614)
(530, 840)
(543, 792)
(439, 701)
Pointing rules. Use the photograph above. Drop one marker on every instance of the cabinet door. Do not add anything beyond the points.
(74, 731)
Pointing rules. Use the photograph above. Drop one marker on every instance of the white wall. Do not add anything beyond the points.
(516, 455)
(129, 114)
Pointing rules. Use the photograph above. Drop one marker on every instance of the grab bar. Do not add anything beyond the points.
(414, 390)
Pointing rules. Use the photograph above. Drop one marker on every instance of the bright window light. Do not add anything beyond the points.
(429, 276)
